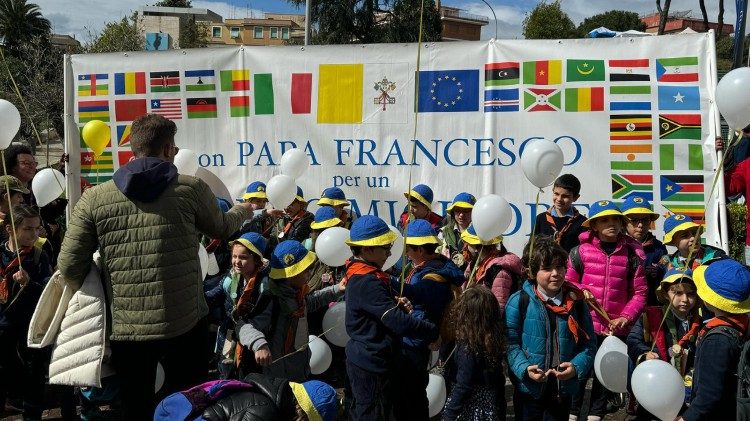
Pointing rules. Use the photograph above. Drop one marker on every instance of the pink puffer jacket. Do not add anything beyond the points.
(503, 281)
(606, 278)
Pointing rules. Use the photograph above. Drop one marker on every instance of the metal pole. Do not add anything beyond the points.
(493, 15)
(307, 21)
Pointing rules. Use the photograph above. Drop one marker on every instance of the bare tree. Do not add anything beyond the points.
(702, 4)
(721, 17)
(663, 14)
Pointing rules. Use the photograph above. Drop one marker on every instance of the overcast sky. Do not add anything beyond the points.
(76, 17)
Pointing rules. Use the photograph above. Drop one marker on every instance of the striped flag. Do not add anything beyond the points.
(680, 126)
(680, 156)
(130, 83)
(93, 110)
(90, 164)
(630, 98)
(584, 99)
(696, 212)
(239, 106)
(123, 157)
(547, 72)
(235, 80)
(201, 107)
(631, 157)
(637, 70)
(501, 100)
(682, 188)
(200, 80)
(630, 127)
(301, 93)
(165, 81)
(677, 69)
(170, 108)
(501, 74)
(94, 84)
(263, 85)
(626, 185)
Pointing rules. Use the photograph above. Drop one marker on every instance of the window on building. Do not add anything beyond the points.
(234, 32)
(274, 33)
(284, 33)
(258, 32)
(216, 31)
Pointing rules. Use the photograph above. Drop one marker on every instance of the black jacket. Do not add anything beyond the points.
(18, 316)
(472, 371)
(272, 400)
(570, 239)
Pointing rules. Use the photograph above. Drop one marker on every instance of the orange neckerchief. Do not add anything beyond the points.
(5, 273)
(247, 293)
(735, 321)
(485, 263)
(296, 217)
(569, 298)
(297, 314)
(359, 267)
(692, 333)
(559, 234)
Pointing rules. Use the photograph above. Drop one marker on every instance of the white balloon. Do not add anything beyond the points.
(186, 162)
(491, 216)
(541, 162)
(331, 247)
(397, 251)
(10, 122)
(281, 190)
(334, 320)
(436, 394)
(659, 388)
(159, 378)
(47, 185)
(320, 355)
(731, 98)
(611, 364)
(294, 163)
(203, 258)
(218, 188)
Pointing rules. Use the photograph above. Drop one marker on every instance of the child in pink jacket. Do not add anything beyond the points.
(608, 265)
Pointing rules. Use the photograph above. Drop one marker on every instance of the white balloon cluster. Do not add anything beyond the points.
(282, 189)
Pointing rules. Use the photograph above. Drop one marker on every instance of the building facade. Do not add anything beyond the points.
(273, 30)
(170, 20)
(460, 25)
(679, 24)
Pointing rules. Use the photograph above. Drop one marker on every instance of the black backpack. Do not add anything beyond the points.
(743, 383)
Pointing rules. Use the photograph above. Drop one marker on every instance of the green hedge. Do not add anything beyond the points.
(737, 213)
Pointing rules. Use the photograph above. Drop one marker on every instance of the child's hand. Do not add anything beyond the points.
(342, 285)
(565, 371)
(263, 356)
(537, 374)
(652, 356)
(587, 295)
(404, 304)
(21, 277)
(618, 323)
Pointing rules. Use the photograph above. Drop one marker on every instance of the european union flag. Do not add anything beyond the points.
(448, 91)
(679, 98)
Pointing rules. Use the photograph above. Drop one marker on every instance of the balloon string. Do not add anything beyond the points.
(471, 280)
(20, 97)
(303, 346)
(533, 230)
(12, 223)
(402, 276)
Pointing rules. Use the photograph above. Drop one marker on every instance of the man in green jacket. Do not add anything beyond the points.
(146, 224)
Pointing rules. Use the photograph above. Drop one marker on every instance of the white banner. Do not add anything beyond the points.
(632, 115)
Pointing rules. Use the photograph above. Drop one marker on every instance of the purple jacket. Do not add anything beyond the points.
(606, 278)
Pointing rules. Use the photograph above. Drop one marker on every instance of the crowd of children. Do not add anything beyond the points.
(537, 319)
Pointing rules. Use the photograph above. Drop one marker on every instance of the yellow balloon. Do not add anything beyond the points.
(96, 135)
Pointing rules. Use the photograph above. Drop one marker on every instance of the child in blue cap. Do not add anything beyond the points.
(335, 198)
(724, 287)
(420, 207)
(456, 222)
(639, 217)
(374, 321)
(277, 327)
(682, 233)
(431, 286)
(262, 219)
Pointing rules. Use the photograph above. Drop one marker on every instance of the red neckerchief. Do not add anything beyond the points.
(297, 217)
(247, 293)
(569, 298)
(7, 271)
(692, 333)
(559, 234)
(297, 314)
(359, 267)
(735, 321)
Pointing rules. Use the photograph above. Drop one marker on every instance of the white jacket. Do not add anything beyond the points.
(76, 324)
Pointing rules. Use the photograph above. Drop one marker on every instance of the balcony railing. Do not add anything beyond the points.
(460, 14)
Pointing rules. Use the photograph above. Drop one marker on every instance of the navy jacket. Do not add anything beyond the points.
(375, 326)
(638, 346)
(654, 250)
(18, 316)
(472, 371)
(429, 290)
(715, 378)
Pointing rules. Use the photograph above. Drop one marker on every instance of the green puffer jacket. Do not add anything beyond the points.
(149, 247)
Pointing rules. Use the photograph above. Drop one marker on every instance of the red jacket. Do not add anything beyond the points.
(737, 181)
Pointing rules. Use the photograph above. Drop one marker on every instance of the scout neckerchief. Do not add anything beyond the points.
(296, 218)
(486, 263)
(677, 353)
(738, 322)
(359, 267)
(243, 305)
(7, 271)
(569, 298)
(558, 235)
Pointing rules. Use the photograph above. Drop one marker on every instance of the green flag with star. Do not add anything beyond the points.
(585, 70)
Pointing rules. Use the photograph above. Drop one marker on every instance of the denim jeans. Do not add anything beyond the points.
(368, 392)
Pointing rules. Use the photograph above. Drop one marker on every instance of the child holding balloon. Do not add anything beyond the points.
(608, 267)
